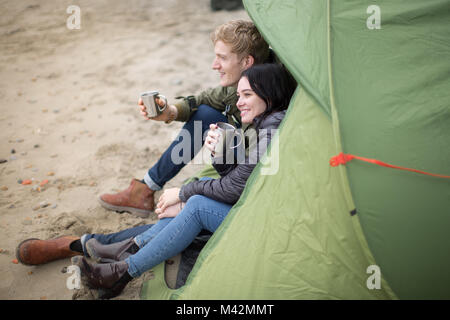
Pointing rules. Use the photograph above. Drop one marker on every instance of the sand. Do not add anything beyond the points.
(69, 115)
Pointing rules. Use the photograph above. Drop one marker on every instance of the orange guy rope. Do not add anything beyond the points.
(342, 158)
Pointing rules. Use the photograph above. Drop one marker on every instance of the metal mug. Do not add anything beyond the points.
(225, 142)
(153, 108)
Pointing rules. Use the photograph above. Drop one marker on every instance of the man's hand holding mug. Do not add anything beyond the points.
(159, 110)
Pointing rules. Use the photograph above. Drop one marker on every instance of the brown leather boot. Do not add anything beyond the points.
(137, 199)
(34, 251)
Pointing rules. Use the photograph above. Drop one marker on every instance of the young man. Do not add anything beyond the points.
(237, 45)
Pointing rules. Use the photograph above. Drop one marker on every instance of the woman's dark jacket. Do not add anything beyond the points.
(228, 188)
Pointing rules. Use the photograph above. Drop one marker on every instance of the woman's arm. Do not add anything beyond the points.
(227, 189)
(223, 168)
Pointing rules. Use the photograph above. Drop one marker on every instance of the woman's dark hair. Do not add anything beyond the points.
(272, 83)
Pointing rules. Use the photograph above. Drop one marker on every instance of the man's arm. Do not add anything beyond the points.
(217, 98)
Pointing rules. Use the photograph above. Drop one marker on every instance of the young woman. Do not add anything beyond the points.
(264, 93)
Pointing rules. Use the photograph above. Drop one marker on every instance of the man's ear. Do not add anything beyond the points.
(249, 61)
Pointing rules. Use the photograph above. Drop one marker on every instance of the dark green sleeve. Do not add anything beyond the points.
(217, 98)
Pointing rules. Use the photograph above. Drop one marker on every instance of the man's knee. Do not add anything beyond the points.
(208, 114)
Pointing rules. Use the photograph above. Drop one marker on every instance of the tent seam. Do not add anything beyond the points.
(334, 116)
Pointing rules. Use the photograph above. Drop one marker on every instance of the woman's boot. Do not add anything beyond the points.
(111, 277)
(111, 252)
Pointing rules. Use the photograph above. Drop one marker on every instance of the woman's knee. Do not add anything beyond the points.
(196, 200)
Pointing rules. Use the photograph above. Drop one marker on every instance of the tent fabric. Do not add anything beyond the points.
(378, 92)
(392, 93)
(290, 236)
(301, 243)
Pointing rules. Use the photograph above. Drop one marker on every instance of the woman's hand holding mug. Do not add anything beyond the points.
(212, 138)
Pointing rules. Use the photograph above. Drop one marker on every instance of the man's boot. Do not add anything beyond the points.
(34, 251)
(111, 252)
(137, 199)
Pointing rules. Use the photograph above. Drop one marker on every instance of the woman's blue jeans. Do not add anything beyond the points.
(171, 236)
(165, 169)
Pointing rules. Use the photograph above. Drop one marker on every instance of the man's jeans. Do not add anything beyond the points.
(171, 236)
(165, 169)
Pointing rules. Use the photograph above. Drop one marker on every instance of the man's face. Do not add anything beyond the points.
(229, 64)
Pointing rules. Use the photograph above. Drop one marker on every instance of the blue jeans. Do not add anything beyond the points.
(171, 236)
(165, 169)
(121, 236)
(114, 237)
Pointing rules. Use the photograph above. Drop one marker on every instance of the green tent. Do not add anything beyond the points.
(373, 82)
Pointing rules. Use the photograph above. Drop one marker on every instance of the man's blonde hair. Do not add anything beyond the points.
(244, 39)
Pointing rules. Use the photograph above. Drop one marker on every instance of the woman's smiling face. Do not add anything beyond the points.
(249, 103)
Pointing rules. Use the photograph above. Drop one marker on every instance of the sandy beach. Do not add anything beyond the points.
(70, 125)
